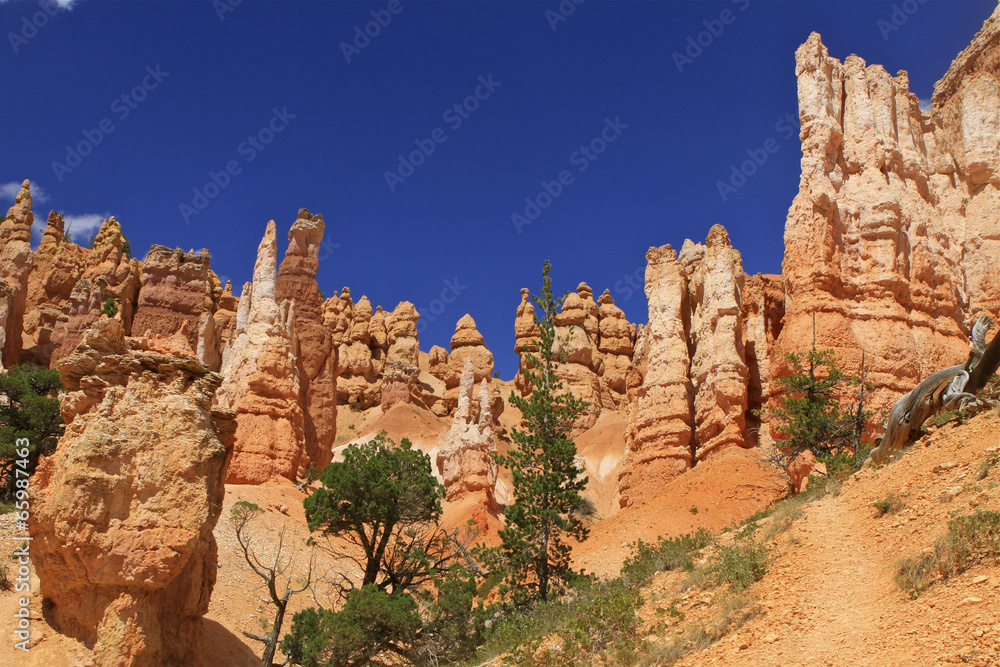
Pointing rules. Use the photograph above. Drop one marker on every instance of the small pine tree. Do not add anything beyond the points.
(534, 555)
(110, 308)
(126, 247)
(812, 418)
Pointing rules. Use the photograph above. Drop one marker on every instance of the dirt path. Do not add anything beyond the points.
(824, 606)
(830, 597)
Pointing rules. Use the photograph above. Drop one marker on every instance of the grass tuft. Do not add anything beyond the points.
(888, 505)
(971, 539)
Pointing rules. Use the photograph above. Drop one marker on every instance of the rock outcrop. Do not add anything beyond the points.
(763, 313)
(262, 378)
(660, 430)
(16, 260)
(690, 372)
(467, 345)
(362, 340)
(316, 357)
(68, 286)
(123, 512)
(463, 458)
(598, 342)
(892, 241)
(719, 373)
(179, 290)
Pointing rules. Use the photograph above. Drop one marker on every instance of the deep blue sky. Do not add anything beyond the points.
(450, 221)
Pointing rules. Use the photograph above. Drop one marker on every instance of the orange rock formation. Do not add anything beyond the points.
(124, 510)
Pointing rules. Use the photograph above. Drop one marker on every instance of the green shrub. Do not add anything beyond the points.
(984, 468)
(942, 418)
(668, 554)
(110, 308)
(605, 624)
(740, 564)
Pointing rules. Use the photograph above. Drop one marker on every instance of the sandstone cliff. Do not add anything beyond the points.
(892, 240)
(660, 428)
(16, 260)
(316, 358)
(123, 512)
(179, 290)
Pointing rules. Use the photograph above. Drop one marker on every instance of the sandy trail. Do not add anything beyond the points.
(830, 597)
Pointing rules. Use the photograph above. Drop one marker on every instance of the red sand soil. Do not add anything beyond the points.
(829, 597)
(725, 489)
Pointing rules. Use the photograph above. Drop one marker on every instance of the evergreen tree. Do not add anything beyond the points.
(812, 418)
(385, 501)
(29, 409)
(110, 308)
(413, 603)
(534, 554)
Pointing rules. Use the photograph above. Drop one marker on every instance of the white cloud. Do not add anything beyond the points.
(925, 105)
(83, 226)
(80, 227)
(8, 191)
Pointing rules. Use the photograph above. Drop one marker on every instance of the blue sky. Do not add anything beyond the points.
(195, 122)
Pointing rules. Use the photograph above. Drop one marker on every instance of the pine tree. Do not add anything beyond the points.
(811, 417)
(546, 481)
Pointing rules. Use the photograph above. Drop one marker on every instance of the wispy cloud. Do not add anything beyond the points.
(82, 226)
(925, 105)
(8, 191)
(63, 4)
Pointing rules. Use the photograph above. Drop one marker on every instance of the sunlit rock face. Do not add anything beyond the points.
(893, 239)
(123, 512)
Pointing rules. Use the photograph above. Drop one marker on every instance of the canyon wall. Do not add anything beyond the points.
(893, 240)
(891, 246)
